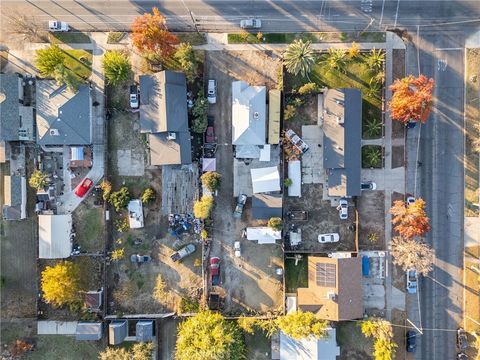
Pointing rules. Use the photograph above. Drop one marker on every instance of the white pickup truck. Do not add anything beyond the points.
(183, 252)
(58, 26)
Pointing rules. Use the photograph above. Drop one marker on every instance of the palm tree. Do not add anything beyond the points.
(373, 127)
(299, 58)
(374, 88)
(372, 156)
(375, 58)
(335, 59)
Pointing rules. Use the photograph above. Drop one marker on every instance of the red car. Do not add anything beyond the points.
(215, 271)
(83, 188)
(210, 135)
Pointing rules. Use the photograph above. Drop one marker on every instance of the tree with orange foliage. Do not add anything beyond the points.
(411, 99)
(150, 34)
(411, 220)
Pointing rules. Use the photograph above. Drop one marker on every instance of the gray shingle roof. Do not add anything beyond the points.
(9, 107)
(342, 126)
(170, 152)
(163, 99)
(64, 118)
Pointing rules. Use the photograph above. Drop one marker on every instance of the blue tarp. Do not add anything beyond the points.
(365, 266)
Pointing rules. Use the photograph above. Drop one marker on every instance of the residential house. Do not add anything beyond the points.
(15, 197)
(266, 206)
(248, 119)
(334, 289)
(54, 236)
(164, 117)
(16, 108)
(64, 118)
(342, 126)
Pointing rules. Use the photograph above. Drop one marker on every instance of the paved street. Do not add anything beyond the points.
(440, 183)
(218, 16)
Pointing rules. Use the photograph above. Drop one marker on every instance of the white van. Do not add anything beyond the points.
(55, 26)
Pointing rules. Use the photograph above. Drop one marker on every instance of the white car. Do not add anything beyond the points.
(369, 185)
(212, 91)
(58, 26)
(328, 238)
(237, 248)
(251, 24)
(343, 209)
(134, 96)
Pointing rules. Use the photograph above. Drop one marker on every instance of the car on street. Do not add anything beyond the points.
(137, 258)
(58, 26)
(462, 341)
(369, 185)
(212, 91)
(237, 249)
(210, 135)
(410, 200)
(134, 96)
(251, 24)
(343, 209)
(83, 188)
(215, 271)
(412, 281)
(183, 252)
(242, 199)
(328, 238)
(411, 341)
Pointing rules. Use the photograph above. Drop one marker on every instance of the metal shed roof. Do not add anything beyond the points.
(144, 330)
(54, 236)
(89, 331)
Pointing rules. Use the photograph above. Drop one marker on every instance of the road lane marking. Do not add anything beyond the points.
(448, 49)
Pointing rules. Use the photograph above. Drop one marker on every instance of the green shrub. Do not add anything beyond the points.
(116, 66)
(308, 88)
(48, 59)
(275, 223)
(119, 199)
(148, 196)
(289, 112)
(200, 113)
(211, 180)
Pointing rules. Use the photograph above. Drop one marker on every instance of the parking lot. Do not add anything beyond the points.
(249, 282)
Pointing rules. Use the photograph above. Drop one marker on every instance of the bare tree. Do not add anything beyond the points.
(412, 254)
(26, 26)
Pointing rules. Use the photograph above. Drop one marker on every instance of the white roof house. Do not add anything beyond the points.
(265, 179)
(54, 233)
(310, 348)
(248, 114)
(135, 214)
(263, 234)
(295, 174)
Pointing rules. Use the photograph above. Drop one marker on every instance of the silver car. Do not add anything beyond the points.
(328, 238)
(343, 209)
(251, 24)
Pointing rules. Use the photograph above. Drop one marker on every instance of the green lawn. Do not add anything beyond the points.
(315, 37)
(194, 38)
(296, 276)
(80, 62)
(90, 225)
(356, 74)
(69, 38)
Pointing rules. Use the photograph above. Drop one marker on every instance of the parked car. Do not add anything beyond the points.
(237, 248)
(328, 238)
(58, 26)
(411, 341)
(215, 271)
(83, 188)
(136, 258)
(212, 91)
(412, 281)
(251, 24)
(134, 96)
(369, 185)
(210, 135)
(183, 252)
(242, 199)
(343, 209)
(410, 200)
(462, 341)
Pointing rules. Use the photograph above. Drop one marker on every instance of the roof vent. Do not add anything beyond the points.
(256, 115)
(171, 136)
(54, 132)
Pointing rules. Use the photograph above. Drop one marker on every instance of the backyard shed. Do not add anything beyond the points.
(295, 174)
(135, 214)
(209, 164)
(145, 330)
(89, 331)
(265, 179)
(54, 232)
(263, 234)
(93, 300)
(117, 331)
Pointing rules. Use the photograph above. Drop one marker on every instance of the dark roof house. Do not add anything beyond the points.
(342, 127)
(63, 117)
(144, 330)
(164, 117)
(334, 289)
(16, 113)
(117, 331)
(266, 206)
(93, 300)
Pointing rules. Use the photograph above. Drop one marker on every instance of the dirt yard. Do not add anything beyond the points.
(248, 282)
(353, 345)
(322, 218)
(371, 210)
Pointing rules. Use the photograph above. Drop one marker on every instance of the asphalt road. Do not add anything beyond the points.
(441, 186)
(221, 16)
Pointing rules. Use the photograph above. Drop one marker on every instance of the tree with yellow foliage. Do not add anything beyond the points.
(61, 284)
